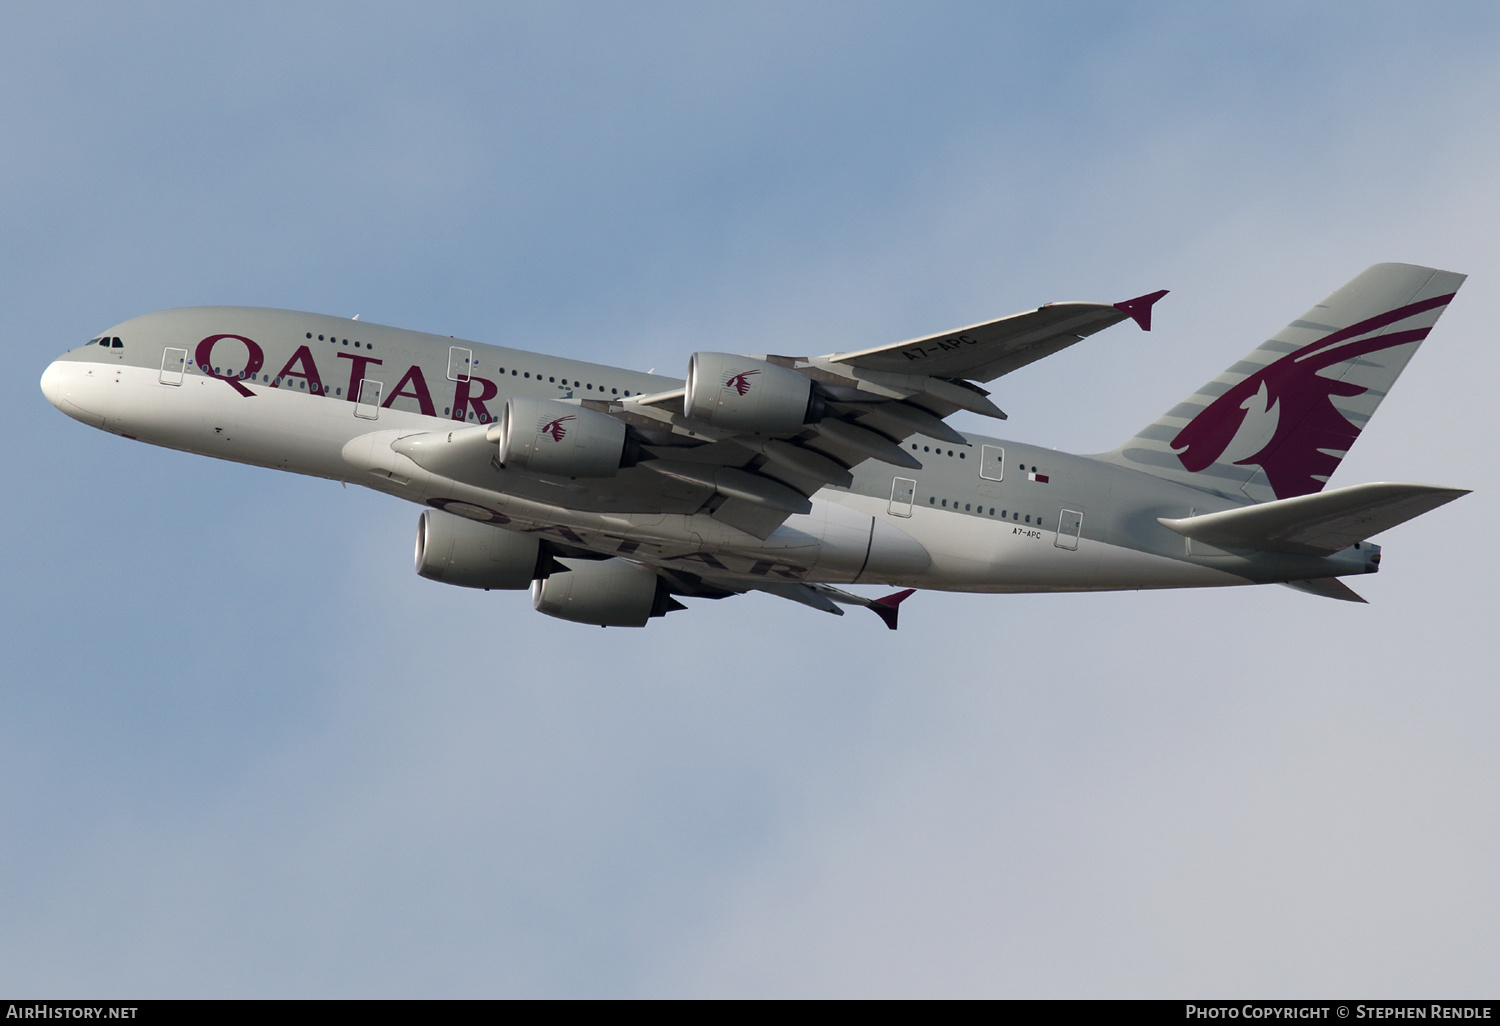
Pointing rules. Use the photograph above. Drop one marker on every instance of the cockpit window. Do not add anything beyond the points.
(117, 343)
(106, 342)
(93, 341)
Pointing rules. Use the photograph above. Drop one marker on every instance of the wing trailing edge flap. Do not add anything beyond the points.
(865, 442)
(939, 393)
(1315, 525)
(735, 484)
(750, 517)
(737, 451)
(901, 420)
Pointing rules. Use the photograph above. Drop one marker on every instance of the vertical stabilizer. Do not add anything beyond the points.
(1278, 423)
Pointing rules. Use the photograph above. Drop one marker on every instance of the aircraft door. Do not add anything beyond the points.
(992, 463)
(460, 363)
(368, 407)
(903, 489)
(1069, 524)
(172, 363)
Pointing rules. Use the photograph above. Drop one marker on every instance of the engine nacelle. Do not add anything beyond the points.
(741, 394)
(606, 593)
(545, 436)
(471, 554)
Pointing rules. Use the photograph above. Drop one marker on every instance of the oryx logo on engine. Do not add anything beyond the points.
(555, 428)
(741, 382)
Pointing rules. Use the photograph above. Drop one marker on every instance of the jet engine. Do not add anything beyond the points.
(609, 593)
(471, 554)
(545, 436)
(741, 394)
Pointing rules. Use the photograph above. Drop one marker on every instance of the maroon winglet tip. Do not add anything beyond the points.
(1139, 308)
(887, 608)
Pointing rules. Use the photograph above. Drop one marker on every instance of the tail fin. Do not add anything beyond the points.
(1279, 422)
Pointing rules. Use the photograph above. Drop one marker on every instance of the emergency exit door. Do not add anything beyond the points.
(1069, 524)
(903, 489)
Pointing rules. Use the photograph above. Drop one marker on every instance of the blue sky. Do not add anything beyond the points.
(246, 751)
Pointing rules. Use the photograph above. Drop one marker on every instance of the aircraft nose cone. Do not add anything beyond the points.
(62, 385)
(52, 383)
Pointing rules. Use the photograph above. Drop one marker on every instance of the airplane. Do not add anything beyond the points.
(612, 494)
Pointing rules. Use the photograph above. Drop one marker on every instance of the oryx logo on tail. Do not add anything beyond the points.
(555, 428)
(741, 382)
(1285, 413)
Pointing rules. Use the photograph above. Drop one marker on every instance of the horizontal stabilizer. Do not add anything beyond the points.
(1319, 524)
(1327, 587)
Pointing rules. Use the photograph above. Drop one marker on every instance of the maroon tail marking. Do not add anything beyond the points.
(889, 608)
(1307, 421)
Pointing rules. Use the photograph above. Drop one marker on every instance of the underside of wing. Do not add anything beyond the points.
(827, 598)
(615, 592)
(1327, 587)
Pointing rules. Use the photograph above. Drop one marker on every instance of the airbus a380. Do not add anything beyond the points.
(610, 493)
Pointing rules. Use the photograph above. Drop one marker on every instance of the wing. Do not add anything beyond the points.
(823, 597)
(983, 352)
(749, 440)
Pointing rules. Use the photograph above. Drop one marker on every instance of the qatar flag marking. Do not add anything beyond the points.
(1032, 475)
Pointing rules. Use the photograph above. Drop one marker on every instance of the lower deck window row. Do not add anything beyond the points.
(1005, 514)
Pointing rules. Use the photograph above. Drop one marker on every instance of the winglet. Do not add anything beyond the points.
(1139, 308)
(887, 608)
